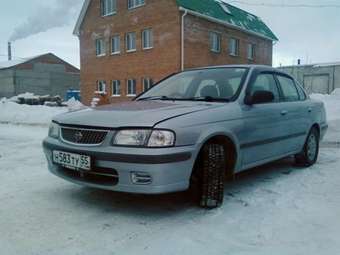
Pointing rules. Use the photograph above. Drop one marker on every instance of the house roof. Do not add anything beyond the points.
(214, 10)
(315, 65)
(227, 14)
(14, 63)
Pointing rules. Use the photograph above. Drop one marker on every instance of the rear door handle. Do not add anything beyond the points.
(310, 109)
(283, 113)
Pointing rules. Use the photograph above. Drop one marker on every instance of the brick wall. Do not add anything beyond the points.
(164, 18)
(197, 45)
(160, 15)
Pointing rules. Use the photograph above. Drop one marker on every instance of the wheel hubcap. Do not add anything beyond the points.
(312, 147)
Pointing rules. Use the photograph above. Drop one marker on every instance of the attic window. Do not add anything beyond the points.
(225, 8)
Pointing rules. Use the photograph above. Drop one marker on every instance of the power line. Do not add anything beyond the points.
(288, 5)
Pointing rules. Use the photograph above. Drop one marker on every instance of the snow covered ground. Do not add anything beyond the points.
(274, 209)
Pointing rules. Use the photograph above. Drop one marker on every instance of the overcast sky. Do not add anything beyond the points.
(311, 34)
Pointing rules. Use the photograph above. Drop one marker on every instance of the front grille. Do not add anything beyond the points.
(83, 136)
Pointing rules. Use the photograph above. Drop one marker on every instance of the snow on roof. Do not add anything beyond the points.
(13, 63)
(316, 65)
(327, 64)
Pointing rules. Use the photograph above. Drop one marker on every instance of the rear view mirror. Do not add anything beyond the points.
(260, 97)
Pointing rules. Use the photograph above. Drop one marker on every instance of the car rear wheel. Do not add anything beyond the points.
(207, 182)
(310, 152)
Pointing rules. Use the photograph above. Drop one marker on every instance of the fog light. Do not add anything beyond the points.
(141, 178)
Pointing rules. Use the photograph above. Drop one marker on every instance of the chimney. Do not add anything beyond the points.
(9, 51)
(299, 61)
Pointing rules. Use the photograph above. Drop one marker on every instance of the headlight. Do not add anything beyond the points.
(144, 138)
(161, 138)
(53, 130)
(132, 137)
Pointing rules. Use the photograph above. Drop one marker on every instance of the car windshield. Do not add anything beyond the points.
(219, 84)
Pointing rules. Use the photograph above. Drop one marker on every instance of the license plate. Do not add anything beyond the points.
(72, 161)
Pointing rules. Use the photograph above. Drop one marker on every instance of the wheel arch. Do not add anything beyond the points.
(317, 127)
(230, 145)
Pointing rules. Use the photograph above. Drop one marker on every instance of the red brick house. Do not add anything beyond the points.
(128, 45)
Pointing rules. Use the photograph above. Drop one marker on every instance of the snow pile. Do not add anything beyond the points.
(11, 112)
(332, 104)
(25, 95)
(74, 105)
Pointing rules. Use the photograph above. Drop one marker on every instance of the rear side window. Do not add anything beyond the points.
(265, 82)
(289, 90)
(301, 92)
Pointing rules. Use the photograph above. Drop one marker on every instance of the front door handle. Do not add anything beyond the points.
(284, 112)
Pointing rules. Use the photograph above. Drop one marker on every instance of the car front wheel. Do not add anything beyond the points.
(310, 153)
(208, 178)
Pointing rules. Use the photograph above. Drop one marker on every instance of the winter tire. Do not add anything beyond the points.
(310, 152)
(208, 177)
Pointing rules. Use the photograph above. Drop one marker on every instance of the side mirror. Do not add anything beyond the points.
(260, 97)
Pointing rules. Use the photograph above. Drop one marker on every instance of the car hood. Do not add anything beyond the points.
(133, 114)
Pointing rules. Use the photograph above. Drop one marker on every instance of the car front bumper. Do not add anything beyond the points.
(169, 169)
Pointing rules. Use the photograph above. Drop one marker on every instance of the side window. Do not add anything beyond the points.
(289, 90)
(302, 93)
(265, 82)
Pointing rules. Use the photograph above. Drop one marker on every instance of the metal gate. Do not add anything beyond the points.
(316, 83)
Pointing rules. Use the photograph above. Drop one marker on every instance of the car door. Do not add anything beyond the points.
(263, 123)
(296, 114)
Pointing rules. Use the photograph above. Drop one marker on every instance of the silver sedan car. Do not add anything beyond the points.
(189, 132)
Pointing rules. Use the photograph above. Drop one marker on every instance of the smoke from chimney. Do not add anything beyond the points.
(47, 17)
(9, 51)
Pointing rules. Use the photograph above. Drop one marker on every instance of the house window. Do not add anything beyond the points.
(116, 91)
(251, 51)
(101, 87)
(234, 45)
(131, 42)
(131, 87)
(135, 3)
(147, 39)
(108, 7)
(100, 47)
(147, 84)
(115, 44)
(215, 42)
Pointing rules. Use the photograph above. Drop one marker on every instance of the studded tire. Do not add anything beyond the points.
(310, 152)
(208, 177)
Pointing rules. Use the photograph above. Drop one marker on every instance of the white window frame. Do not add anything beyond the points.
(128, 92)
(234, 47)
(101, 87)
(215, 42)
(116, 88)
(115, 51)
(147, 84)
(129, 42)
(147, 39)
(104, 7)
(251, 51)
(132, 4)
(100, 47)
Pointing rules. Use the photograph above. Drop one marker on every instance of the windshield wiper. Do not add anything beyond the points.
(154, 98)
(203, 99)
(207, 99)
